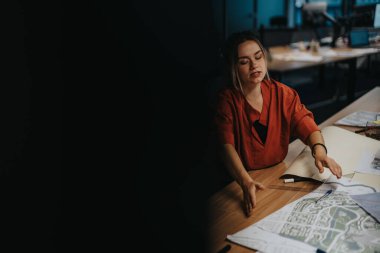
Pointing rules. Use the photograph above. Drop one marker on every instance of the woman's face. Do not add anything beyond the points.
(251, 63)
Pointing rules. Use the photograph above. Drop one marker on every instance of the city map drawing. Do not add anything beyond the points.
(333, 223)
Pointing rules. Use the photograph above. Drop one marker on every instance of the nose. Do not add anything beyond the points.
(253, 64)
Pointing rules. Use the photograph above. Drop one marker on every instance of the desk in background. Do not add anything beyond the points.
(225, 207)
(348, 55)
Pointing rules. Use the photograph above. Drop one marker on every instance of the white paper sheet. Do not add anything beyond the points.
(267, 242)
(359, 119)
(367, 179)
(369, 163)
(332, 224)
(344, 146)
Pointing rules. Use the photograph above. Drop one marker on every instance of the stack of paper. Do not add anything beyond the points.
(344, 146)
(359, 119)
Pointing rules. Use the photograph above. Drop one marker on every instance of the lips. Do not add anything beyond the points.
(255, 74)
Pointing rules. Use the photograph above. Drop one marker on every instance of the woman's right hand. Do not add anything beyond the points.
(249, 195)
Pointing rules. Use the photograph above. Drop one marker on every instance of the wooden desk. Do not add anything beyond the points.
(225, 207)
(280, 67)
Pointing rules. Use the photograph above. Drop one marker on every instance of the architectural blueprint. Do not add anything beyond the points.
(333, 223)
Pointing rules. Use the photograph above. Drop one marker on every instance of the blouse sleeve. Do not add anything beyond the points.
(302, 122)
(224, 120)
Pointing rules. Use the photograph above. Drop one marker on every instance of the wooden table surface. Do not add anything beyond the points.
(225, 207)
(285, 66)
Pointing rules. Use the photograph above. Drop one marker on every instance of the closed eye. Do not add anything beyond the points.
(258, 56)
(243, 61)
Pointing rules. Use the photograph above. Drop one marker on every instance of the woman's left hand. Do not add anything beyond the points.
(325, 161)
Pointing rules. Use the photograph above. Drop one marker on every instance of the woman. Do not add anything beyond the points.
(257, 116)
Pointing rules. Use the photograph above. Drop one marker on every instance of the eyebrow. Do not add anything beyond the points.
(257, 52)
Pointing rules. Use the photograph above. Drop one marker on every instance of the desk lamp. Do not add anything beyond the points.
(312, 13)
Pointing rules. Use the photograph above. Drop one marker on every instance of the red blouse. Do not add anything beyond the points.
(282, 113)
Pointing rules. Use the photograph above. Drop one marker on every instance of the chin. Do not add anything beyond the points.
(257, 80)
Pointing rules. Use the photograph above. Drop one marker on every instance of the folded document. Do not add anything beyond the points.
(344, 146)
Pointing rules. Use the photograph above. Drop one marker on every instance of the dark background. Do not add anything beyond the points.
(114, 96)
(157, 64)
(118, 96)
(139, 82)
(31, 124)
(174, 56)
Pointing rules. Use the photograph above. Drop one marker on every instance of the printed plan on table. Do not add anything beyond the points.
(335, 223)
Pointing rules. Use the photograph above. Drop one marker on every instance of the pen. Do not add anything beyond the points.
(325, 195)
(225, 249)
(292, 180)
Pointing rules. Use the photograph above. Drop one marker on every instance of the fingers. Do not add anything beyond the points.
(331, 164)
(339, 174)
(250, 197)
(248, 204)
(335, 168)
(259, 185)
(319, 166)
(248, 209)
